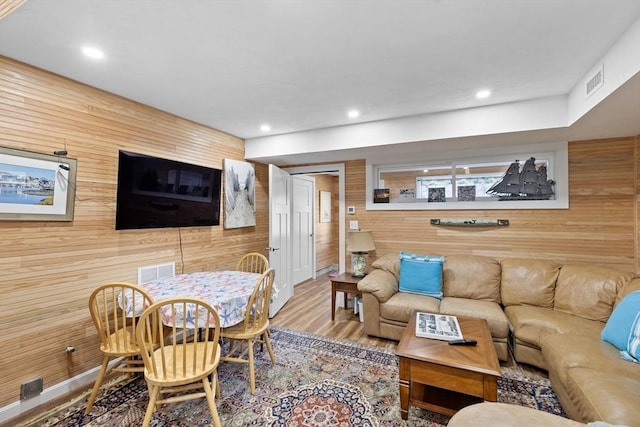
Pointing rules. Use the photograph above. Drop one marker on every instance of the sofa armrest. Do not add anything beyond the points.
(382, 284)
(633, 285)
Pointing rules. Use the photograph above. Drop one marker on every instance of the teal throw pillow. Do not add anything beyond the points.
(421, 274)
(618, 330)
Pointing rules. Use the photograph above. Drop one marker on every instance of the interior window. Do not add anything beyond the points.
(467, 184)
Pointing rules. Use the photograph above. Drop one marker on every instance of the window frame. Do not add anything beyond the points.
(556, 153)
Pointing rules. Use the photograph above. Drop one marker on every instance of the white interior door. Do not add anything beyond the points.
(279, 236)
(339, 169)
(302, 229)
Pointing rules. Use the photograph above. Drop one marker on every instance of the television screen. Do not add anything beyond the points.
(156, 193)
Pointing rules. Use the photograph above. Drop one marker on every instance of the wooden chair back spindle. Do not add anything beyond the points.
(116, 328)
(253, 262)
(188, 352)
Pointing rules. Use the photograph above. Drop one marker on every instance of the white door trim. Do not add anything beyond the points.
(304, 244)
(340, 169)
(279, 244)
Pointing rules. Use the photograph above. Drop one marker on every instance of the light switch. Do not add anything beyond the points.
(353, 225)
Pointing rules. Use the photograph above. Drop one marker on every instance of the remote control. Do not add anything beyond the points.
(463, 342)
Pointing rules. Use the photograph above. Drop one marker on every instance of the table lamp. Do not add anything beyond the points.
(359, 243)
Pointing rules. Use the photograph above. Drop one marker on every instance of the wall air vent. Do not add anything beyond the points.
(595, 82)
(153, 272)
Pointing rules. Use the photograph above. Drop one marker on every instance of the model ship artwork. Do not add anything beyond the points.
(527, 183)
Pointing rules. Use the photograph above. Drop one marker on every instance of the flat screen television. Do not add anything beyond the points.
(157, 193)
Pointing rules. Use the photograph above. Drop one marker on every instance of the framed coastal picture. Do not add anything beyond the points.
(239, 194)
(36, 186)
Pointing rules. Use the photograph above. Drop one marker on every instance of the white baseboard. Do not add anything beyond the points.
(85, 379)
(327, 269)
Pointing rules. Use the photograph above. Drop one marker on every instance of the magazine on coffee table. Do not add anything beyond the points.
(437, 326)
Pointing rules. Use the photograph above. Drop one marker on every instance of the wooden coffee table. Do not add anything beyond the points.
(445, 378)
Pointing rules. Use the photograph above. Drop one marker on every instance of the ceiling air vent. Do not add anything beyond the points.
(596, 81)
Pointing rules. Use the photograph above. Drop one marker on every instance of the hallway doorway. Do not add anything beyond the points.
(336, 170)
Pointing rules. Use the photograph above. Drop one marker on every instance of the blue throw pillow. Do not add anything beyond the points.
(618, 329)
(421, 274)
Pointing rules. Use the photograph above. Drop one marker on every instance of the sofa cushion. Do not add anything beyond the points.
(490, 311)
(604, 396)
(381, 283)
(528, 282)
(401, 306)
(507, 415)
(565, 351)
(471, 276)
(390, 263)
(619, 327)
(530, 324)
(421, 274)
(589, 291)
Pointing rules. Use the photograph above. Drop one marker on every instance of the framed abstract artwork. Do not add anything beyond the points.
(239, 194)
(325, 206)
(36, 186)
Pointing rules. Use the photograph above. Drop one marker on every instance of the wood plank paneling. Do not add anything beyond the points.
(8, 6)
(50, 268)
(327, 232)
(600, 226)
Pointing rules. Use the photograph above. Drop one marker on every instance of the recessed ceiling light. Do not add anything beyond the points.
(484, 93)
(353, 114)
(265, 128)
(92, 52)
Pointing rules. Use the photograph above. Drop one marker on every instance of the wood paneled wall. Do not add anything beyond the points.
(50, 268)
(327, 236)
(600, 227)
(8, 6)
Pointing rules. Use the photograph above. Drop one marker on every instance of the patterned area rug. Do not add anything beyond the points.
(316, 382)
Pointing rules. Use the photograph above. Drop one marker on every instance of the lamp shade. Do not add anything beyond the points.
(360, 241)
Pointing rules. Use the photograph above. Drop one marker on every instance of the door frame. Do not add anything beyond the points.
(311, 239)
(331, 168)
(283, 269)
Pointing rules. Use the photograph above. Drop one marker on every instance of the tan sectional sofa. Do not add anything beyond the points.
(550, 315)
(471, 287)
(507, 415)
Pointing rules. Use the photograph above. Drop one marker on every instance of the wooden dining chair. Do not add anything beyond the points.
(253, 262)
(116, 329)
(253, 329)
(187, 354)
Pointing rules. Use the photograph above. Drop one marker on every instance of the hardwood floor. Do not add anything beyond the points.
(310, 310)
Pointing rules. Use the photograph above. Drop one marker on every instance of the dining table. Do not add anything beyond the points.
(228, 292)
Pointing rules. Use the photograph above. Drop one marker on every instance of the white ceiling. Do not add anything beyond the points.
(301, 65)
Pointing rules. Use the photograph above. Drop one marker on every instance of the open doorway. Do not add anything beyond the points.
(335, 170)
